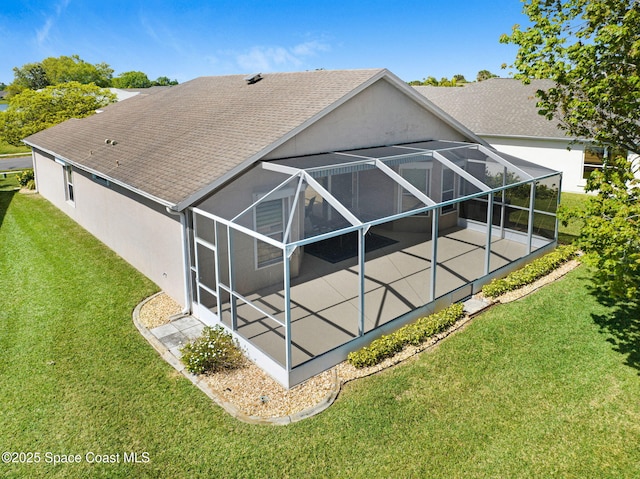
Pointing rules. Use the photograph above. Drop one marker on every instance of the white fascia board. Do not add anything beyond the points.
(122, 184)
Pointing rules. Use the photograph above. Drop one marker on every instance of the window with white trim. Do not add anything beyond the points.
(594, 158)
(68, 183)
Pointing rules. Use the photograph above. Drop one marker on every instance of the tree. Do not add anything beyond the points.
(65, 69)
(31, 76)
(164, 81)
(31, 111)
(485, 75)
(55, 70)
(591, 49)
(132, 79)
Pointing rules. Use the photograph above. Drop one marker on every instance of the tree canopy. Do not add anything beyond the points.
(591, 50)
(456, 80)
(485, 75)
(63, 69)
(52, 71)
(132, 79)
(31, 111)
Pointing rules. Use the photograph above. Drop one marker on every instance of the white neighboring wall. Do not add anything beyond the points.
(551, 153)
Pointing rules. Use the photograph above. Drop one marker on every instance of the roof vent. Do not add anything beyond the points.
(253, 78)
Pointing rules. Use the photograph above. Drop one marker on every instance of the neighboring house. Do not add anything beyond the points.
(503, 112)
(308, 212)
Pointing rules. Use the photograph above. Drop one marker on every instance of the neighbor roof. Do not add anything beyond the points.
(497, 106)
(180, 143)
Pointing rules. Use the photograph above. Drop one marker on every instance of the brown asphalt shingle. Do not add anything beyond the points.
(178, 141)
(498, 106)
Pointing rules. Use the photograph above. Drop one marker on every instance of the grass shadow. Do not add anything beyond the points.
(5, 200)
(622, 323)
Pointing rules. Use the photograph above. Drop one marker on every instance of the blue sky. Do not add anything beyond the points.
(187, 39)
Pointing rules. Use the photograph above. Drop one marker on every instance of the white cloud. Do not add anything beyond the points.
(268, 58)
(42, 34)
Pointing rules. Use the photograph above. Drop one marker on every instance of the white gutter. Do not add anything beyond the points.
(185, 259)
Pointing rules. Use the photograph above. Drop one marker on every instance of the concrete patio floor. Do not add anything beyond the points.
(325, 299)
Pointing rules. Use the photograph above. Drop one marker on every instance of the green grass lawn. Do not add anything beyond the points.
(6, 148)
(547, 386)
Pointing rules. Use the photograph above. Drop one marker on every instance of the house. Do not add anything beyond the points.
(503, 112)
(308, 213)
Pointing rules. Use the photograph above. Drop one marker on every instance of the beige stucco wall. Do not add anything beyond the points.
(379, 115)
(139, 230)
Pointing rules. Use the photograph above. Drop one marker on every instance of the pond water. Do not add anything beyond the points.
(3, 106)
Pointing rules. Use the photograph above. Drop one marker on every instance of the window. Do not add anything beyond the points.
(68, 182)
(418, 175)
(270, 221)
(448, 189)
(594, 158)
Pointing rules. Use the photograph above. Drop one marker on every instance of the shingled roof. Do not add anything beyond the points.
(175, 144)
(497, 106)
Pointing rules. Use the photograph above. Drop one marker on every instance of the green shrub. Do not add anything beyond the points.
(531, 272)
(26, 179)
(214, 350)
(414, 334)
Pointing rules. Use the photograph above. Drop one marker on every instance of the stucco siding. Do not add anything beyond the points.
(140, 231)
(379, 115)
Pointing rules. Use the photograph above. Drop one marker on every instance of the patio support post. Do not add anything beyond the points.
(434, 253)
(287, 310)
(487, 250)
(232, 283)
(532, 202)
(361, 254)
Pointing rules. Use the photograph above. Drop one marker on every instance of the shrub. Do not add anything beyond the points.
(214, 350)
(414, 334)
(531, 272)
(26, 179)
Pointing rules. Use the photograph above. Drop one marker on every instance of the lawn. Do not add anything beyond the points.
(6, 148)
(547, 386)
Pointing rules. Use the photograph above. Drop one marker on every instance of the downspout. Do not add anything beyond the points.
(185, 259)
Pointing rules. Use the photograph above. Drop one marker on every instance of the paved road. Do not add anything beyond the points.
(20, 163)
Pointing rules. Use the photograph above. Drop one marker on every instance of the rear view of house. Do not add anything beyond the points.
(306, 212)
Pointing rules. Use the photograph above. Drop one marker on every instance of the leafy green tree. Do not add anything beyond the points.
(164, 81)
(3, 86)
(459, 78)
(65, 69)
(485, 75)
(591, 49)
(30, 76)
(55, 70)
(31, 111)
(132, 79)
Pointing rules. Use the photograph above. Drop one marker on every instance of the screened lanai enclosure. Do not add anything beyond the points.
(305, 259)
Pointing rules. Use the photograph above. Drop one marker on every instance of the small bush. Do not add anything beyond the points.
(214, 350)
(531, 272)
(26, 179)
(414, 334)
